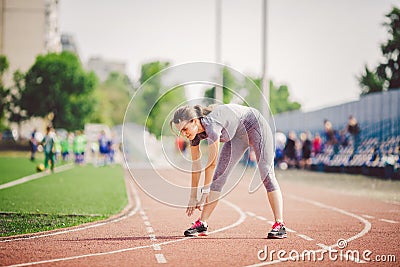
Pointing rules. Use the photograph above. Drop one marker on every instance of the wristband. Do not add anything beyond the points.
(205, 191)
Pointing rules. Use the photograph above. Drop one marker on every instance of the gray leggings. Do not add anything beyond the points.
(255, 132)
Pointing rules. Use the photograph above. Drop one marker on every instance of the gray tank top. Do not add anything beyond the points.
(224, 122)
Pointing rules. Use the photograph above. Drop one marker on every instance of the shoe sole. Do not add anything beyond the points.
(277, 236)
(198, 234)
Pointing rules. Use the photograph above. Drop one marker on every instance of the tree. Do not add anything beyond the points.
(112, 99)
(229, 83)
(57, 84)
(152, 102)
(279, 96)
(3, 91)
(387, 74)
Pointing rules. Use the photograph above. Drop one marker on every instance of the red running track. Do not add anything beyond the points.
(149, 233)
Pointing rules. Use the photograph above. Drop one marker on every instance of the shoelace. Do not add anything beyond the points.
(196, 224)
(277, 225)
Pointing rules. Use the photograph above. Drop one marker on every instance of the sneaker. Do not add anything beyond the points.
(197, 229)
(278, 231)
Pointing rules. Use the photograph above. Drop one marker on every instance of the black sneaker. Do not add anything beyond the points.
(197, 229)
(278, 231)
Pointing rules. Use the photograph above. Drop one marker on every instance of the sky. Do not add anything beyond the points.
(317, 48)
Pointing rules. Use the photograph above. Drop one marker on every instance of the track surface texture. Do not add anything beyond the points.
(149, 233)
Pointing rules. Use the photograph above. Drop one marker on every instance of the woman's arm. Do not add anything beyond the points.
(209, 172)
(196, 172)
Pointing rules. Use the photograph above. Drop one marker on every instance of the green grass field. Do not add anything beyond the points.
(79, 195)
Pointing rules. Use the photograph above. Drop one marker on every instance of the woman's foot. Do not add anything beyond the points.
(278, 231)
(198, 228)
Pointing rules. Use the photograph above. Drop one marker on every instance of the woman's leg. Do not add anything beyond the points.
(261, 140)
(231, 153)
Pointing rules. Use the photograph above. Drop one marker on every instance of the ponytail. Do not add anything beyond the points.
(203, 111)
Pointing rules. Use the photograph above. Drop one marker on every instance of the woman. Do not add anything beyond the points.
(239, 127)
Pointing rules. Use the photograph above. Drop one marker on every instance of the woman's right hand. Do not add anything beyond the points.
(191, 206)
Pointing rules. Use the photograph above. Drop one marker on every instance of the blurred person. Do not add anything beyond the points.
(317, 144)
(79, 146)
(330, 136)
(103, 148)
(33, 144)
(343, 139)
(180, 144)
(354, 130)
(239, 127)
(48, 144)
(290, 150)
(306, 149)
(65, 148)
(57, 147)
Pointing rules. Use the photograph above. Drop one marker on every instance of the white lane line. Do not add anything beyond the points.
(261, 218)
(150, 229)
(388, 221)
(145, 218)
(368, 216)
(160, 258)
(130, 214)
(147, 223)
(251, 214)
(142, 213)
(290, 230)
(35, 176)
(153, 237)
(367, 227)
(157, 247)
(305, 237)
(238, 222)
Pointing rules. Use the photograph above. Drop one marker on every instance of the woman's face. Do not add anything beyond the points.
(188, 129)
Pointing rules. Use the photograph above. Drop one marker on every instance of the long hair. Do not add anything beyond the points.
(188, 113)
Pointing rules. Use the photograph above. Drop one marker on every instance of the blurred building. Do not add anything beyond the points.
(27, 29)
(103, 68)
(68, 43)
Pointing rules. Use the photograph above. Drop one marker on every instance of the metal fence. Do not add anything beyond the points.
(378, 115)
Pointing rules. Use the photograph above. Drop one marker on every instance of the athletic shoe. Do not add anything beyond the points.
(278, 231)
(197, 229)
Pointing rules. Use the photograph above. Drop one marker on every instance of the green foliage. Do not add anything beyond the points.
(229, 84)
(387, 74)
(58, 84)
(279, 96)
(3, 91)
(152, 102)
(112, 99)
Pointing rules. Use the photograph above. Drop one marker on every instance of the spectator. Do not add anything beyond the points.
(354, 130)
(317, 144)
(330, 136)
(103, 148)
(181, 144)
(343, 139)
(65, 148)
(48, 144)
(33, 145)
(305, 161)
(290, 150)
(79, 145)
